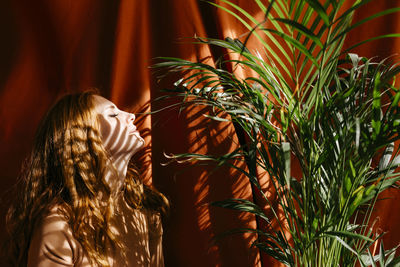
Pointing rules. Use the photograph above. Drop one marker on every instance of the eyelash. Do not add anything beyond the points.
(114, 115)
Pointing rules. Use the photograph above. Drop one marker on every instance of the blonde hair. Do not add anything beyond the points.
(66, 168)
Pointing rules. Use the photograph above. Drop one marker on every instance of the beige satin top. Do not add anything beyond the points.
(140, 231)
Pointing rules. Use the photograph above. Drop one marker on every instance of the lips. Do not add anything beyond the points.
(132, 130)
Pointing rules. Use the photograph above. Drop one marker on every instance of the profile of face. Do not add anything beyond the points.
(118, 132)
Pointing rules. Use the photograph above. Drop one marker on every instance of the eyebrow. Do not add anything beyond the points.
(112, 107)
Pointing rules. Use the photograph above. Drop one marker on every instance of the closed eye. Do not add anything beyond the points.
(114, 115)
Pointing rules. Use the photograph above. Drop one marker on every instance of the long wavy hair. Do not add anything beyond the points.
(66, 169)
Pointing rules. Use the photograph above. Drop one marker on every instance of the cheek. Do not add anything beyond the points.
(106, 129)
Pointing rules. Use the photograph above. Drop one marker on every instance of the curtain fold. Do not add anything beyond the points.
(51, 47)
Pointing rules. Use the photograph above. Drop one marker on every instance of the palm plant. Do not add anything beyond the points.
(313, 104)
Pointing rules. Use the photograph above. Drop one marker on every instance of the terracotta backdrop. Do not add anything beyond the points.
(50, 47)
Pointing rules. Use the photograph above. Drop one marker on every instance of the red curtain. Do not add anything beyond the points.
(50, 47)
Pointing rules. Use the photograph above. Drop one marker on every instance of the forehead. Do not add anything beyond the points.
(101, 103)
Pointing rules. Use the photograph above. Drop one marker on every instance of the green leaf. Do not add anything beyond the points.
(394, 263)
(356, 202)
(391, 35)
(348, 184)
(341, 241)
(372, 257)
(396, 99)
(275, 253)
(241, 205)
(381, 255)
(348, 234)
(367, 259)
(301, 28)
(359, 23)
(369, 190)
(216, 118)
(286, 158)
(320, 10)
(376, 107)
(295, 43)
(264, 43)
(353, 171)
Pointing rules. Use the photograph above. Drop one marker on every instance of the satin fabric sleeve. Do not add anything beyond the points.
(155, 240)
(53, 244)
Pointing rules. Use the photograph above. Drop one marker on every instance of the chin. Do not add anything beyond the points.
(142, 142)
(137, 145)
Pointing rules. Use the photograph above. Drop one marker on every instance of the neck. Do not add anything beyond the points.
(115, 177)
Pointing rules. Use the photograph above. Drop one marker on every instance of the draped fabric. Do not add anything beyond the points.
(51, 47)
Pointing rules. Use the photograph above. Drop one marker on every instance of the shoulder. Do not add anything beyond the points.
(53, 242)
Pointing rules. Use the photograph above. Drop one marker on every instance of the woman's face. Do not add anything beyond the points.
(118, 133)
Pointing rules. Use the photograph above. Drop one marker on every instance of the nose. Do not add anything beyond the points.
(131, 117)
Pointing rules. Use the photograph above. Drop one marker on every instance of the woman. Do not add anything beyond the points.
(81, 203)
